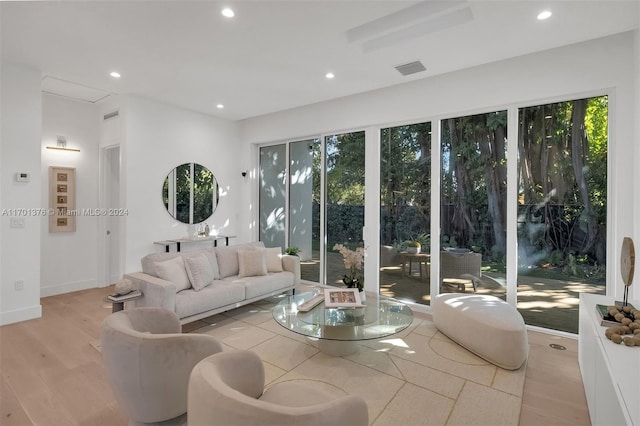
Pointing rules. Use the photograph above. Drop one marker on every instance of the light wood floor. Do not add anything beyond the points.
(50, 375)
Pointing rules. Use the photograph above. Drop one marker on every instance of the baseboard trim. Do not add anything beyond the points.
(19, 315)
(54, 290)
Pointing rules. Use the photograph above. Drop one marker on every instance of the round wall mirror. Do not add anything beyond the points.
(190, 193)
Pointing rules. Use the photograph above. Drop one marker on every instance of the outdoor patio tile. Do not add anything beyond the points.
(428, 378)
(433, 409)
(481, 405)
(283, 352)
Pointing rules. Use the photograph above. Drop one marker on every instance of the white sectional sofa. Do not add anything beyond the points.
(203, 282)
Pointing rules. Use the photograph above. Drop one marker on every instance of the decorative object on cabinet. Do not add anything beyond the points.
(62, 199)
(627, 266)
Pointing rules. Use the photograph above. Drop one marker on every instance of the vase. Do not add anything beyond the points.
(413, 250)
(363, 297)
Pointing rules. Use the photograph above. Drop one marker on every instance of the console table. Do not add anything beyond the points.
(178, 242)
(610, 372)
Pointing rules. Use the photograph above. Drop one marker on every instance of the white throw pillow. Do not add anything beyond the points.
(173, 270)
(199, 271)
(274, 259)
(252, 263)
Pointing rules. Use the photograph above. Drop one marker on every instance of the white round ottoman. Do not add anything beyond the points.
(487, 326)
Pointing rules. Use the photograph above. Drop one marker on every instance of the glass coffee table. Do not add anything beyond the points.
(336, 331)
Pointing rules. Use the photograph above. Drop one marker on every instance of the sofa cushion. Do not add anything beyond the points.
(252, 263)
(219, 293)
(265, 284)
(228, 257)
(211, 256)
(199, 271)
(173, 270)
(274, 259)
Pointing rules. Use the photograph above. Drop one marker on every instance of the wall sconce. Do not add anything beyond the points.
(61, 143)
(244, 173)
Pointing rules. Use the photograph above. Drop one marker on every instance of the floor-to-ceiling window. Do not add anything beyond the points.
(405, 211)
(344, 189)
(304, 205)
(272, 195)
(559, 226)
(473, 196)
(562, 200)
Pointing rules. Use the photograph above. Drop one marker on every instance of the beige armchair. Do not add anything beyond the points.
(148, 361)
(228, 389)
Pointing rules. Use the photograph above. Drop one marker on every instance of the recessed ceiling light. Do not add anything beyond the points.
(228, 13)
(115, 74)
(329, 75)
(219, 106)
(544, 15)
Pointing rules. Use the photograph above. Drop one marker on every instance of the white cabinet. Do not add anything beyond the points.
(610, 372)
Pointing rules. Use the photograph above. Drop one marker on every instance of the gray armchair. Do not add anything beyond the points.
(457, 269)
(228, 389)
(148, 362)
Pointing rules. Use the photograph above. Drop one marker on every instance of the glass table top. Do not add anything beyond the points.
(380, 317)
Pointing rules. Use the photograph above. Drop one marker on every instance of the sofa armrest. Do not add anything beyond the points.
(292, 264)
(156, 291)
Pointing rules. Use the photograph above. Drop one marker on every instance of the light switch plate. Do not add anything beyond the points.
(17, 222)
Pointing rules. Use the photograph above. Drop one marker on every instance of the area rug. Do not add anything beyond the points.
(417, 377)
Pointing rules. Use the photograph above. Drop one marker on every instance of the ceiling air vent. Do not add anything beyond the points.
(111, 115)
(410, 68)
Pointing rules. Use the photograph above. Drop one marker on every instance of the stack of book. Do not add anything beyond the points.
(124, 297)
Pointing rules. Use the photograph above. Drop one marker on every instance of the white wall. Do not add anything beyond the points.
(20, 123)
(158, 137)
(69, 259)
(583, 69)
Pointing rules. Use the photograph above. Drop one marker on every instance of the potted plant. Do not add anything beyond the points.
(353, 261)
(413, 246)
(292, 251)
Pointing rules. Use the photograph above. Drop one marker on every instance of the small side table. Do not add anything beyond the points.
(422, 258)
(118, 305)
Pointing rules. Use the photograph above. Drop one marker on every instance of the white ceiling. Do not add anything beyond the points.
(273, 55)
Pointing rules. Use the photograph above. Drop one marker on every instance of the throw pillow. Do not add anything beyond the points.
(199, 271)
(252, 263)
(173, 270)
(274, 259)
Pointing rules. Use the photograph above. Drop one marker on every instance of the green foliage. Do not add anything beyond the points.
(293, 251)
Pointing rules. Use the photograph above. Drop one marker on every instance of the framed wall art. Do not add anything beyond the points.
(62, 199)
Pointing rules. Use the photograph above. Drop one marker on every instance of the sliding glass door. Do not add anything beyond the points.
(344, 207)
(405, 211)
(562, 209)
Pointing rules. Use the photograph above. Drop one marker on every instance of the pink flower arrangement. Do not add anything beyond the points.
(353, 261)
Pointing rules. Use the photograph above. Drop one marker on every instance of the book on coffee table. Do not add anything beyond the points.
(342, 298)
(124, 297)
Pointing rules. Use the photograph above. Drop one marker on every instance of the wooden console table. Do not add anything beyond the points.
(178, 242)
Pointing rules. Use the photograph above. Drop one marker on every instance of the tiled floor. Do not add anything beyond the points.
(418, 376)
